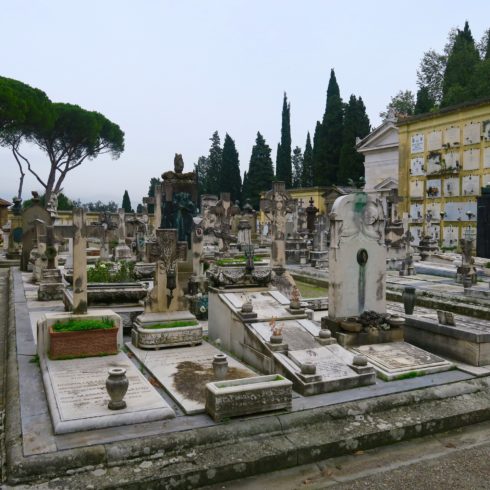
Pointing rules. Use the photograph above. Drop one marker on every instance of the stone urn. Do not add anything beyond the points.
(408, 298)
(117, 385)
(220, 366)
(276, 339)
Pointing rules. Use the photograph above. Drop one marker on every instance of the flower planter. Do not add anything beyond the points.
(83, 343)
(246, 396)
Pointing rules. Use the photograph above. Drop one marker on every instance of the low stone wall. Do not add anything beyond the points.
(185, 457)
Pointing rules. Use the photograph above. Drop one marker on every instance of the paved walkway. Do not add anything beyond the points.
(4, 285)
(453, 460)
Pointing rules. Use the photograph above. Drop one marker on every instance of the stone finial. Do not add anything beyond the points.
(359, 360)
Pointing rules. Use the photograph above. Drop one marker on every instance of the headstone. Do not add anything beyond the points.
(357, 256)
(277, 205)
(122, 251)
(29, 217)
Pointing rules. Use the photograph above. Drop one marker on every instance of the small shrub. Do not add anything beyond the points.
(76, 325)
(177, 323)
(122, 271)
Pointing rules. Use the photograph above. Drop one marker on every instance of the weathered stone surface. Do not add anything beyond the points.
(155, 338)
(398, 360)
(78, 399)
(357, 256)
(184, 372)
(225, 399)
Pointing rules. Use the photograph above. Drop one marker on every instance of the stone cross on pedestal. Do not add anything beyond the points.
(166, 290)
(277, 204)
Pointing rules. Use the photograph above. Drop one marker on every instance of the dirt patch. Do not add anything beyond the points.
(191, 378)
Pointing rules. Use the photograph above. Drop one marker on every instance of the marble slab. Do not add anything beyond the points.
(184, 371)
(398, 360)
(329, 360)
(264, 304)
(78, 399)
(280, 298)
(294, 334)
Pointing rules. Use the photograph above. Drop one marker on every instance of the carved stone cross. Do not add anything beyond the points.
(169, 251)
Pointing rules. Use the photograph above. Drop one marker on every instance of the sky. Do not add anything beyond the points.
(170, 73)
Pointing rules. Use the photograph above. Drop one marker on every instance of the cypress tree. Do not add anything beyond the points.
(283, 158)
(463, 59)
(329, 141)
(126, 203)
(356, 125)
(260, 171)
(202, 170)
(307, 175)
(151, 192)
(231, 180)
(318, 153)
(215, 161)
(297, 163)
(424, 101)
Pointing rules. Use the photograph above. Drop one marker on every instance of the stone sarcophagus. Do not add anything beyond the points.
(246, 396)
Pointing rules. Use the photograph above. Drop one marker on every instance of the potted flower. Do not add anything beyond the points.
(82, 337)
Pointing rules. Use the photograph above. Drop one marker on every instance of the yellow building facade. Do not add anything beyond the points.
(444, 162)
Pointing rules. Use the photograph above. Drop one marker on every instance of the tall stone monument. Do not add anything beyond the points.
(277, 204)
(357, 256)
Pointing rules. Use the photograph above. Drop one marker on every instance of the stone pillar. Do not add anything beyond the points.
(122, 252)
(79, 262)
(69, 257)
(158, 206)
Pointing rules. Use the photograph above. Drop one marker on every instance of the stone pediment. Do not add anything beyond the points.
(384, 136)
(387, 184)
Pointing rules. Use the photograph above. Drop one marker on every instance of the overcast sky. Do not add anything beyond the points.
(171, 73)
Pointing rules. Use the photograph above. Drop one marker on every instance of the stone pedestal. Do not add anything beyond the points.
(122, 252)
(51, 285)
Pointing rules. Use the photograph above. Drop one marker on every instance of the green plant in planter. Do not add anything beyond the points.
(174, 324)
(79, 324)
(122, 271)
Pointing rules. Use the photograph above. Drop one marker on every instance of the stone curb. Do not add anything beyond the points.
(192, 458)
